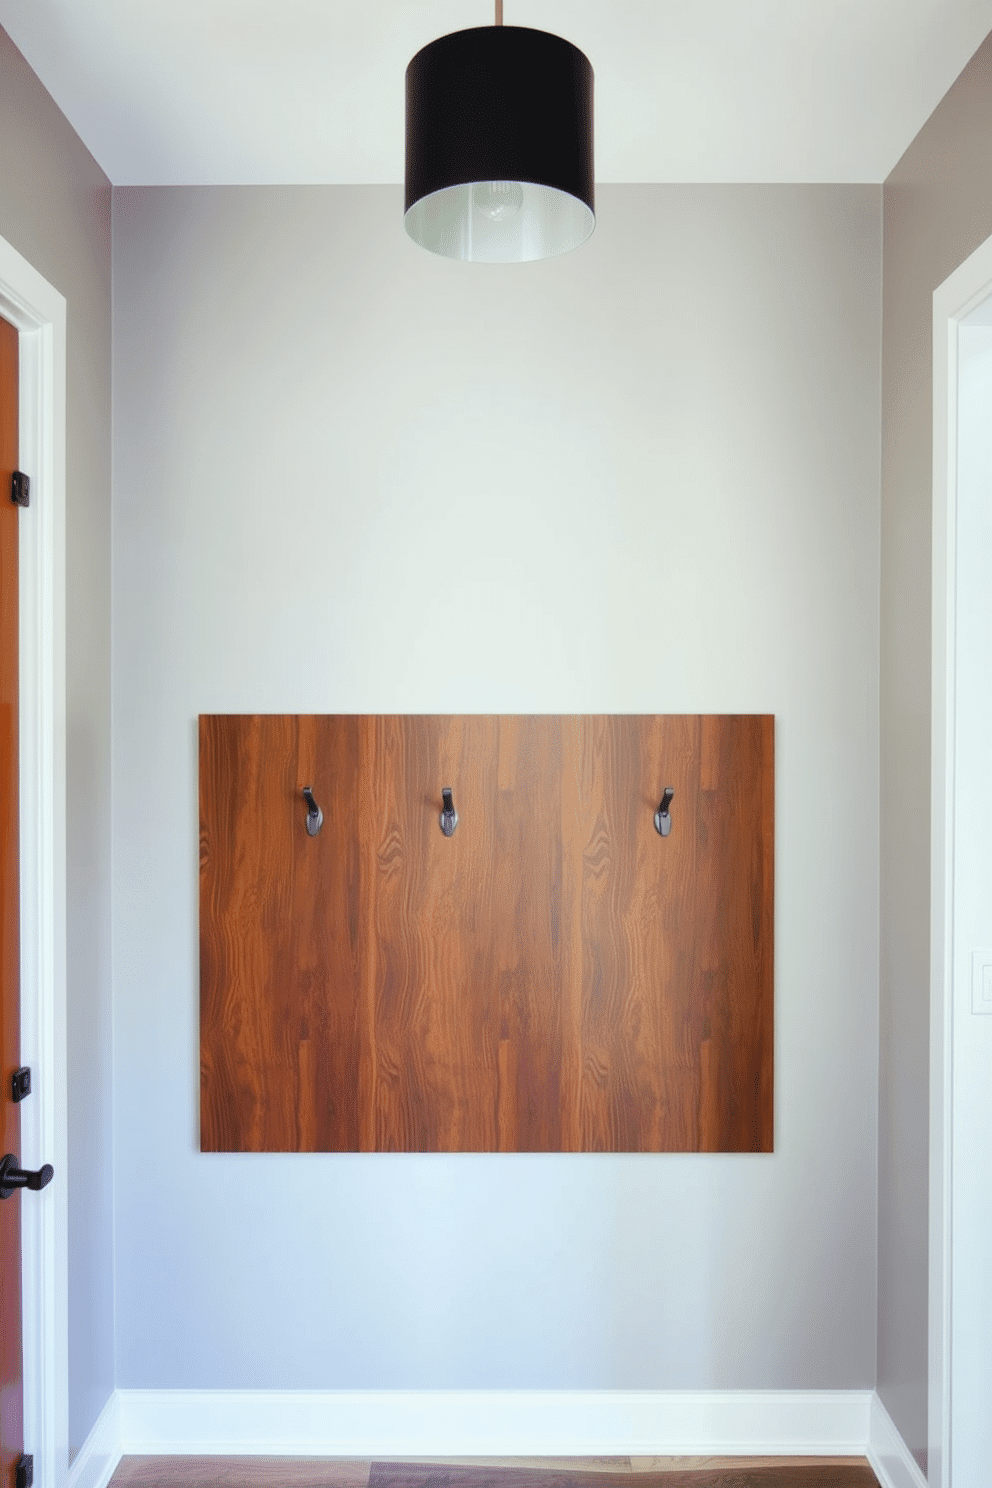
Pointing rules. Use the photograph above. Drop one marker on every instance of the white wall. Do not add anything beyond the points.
(645, 477)
(971, 1181)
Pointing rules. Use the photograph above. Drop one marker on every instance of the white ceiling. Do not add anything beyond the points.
(253, 91)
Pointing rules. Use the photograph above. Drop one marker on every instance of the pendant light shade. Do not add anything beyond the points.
(499, 145)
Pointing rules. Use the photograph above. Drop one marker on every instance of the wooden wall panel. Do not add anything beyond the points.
(554, 977)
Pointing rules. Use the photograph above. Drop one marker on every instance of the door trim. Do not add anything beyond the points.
(39, 312)
(959, 294)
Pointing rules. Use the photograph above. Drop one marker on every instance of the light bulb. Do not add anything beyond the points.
(498, 200)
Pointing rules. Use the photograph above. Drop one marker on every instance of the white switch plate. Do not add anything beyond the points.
(981, 982)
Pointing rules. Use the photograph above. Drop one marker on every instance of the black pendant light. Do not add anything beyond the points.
(499, 145)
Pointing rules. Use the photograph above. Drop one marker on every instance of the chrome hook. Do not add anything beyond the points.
(662, 817)
(449, 816)
(315, 817)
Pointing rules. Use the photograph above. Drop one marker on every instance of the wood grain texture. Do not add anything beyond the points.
(554, 977)
(724, 1464)
(11, 1383)
(240, 1472)
(589, 1465)
(492, 1472)
(852, 1474)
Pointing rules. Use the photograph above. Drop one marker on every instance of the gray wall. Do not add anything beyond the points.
(55, 210)
(655, 462)
(937, 210)
(661, 361)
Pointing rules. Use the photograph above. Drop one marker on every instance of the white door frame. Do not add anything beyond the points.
(38, 311)
(959, 294)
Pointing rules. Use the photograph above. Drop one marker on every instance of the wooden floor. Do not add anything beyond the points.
(495, 1472)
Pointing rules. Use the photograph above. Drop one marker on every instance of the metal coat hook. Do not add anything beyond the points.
(662, 817)
(449, 816)
(315, 817)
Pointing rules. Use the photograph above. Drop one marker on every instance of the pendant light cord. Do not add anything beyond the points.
(499, 12)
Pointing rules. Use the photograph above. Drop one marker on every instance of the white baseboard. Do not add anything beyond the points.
(483, 1423)
(96, 1461)
(391, 1423)
(892, 1462)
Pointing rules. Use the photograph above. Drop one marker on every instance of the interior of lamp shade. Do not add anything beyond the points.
(548, 222)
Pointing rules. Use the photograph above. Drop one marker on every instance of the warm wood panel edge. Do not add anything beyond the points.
(554, 977)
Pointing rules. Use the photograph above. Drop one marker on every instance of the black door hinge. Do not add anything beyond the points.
(20, 488)
(20, 1082)
(24, 1472)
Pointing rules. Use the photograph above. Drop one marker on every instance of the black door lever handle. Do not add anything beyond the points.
(12, 1177)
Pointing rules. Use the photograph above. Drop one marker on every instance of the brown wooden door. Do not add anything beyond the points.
(11, 1383)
